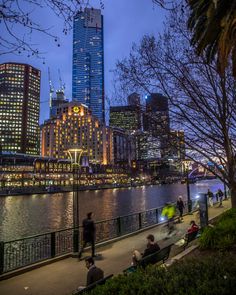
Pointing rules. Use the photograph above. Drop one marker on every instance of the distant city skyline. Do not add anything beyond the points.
(125, 22)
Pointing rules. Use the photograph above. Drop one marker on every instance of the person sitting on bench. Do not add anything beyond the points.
(94, 273)
(194, 227)
(152, 247)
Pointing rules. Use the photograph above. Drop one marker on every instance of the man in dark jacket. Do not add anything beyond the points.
(89, 231)
(152, 247)
(180, 206)
(94, 273)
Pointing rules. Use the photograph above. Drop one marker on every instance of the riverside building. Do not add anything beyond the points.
(76, 127)
(19, 108)
(88, 61)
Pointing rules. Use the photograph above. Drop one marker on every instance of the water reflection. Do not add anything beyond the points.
(25, 215)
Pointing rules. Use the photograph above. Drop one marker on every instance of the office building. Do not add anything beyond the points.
(56, 102)
(88, 61)
(134, 99)
(19, 108)
(123, 147)
(177, 145)
(126, 117)
(76, 127)
(147, 147)
(156, 120)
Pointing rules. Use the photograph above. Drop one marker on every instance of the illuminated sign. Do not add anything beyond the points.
(76, 109)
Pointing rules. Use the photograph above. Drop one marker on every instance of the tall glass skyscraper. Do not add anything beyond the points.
(88, 61)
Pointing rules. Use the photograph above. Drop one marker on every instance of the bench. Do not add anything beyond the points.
(161, 255)
(190, 237)
(92, 286)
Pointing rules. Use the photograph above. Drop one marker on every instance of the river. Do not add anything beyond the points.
(25, 215)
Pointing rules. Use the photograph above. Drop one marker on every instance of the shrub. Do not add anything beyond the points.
(223, 235)
(214, 275)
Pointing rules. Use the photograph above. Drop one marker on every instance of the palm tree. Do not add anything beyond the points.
(213, 23)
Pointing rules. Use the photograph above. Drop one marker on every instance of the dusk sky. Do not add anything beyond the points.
(125, 22)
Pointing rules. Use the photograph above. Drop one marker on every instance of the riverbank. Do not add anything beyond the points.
(62, 277)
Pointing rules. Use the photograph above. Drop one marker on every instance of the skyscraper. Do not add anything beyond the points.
(19, 108)
(126, 117)
(156, 120)
(88, 61)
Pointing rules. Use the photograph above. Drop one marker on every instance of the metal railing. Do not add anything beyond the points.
(30, 250)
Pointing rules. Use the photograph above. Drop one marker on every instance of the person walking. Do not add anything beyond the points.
(210, 197)
(180, 206)
(169, 212)
(89, 231)
(220, 195)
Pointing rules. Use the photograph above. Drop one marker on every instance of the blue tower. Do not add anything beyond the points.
(88, 61)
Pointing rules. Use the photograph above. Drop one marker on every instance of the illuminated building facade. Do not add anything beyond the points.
(177, 145)
(57, 102)
(147, 147)
(19, 108)
(156, 120)
(76, 127)
(88, 61)
(126, 117)
(123, 147)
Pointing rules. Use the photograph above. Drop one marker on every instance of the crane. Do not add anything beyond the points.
(62, 86)
(50, 87)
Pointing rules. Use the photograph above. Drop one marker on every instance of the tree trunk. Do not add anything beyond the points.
(233, 194)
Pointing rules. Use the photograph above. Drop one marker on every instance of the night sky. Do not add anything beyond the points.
(125, 22)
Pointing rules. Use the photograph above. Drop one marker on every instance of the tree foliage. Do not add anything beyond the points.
(214, 30)
(18, 22)
(202, 100)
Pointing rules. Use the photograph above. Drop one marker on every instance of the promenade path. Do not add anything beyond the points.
(62, 277)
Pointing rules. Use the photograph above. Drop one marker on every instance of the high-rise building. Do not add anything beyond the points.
(134, 99)
(126, 117)
(56, 102)
(19, 108)
(177, 145)
(75, 127)
(123, 147)
(88, 61)
(147, 147)
(156, 119)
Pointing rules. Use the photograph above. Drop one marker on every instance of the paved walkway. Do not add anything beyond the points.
(62, 277)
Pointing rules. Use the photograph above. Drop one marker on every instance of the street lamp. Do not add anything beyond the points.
(75, 156)
(186, 164)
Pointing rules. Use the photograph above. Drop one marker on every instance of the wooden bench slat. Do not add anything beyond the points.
(161, 255)
(93, 285)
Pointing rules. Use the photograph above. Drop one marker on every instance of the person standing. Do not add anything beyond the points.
(89, 231)
(180, 206)
(210, 197)
(220, 195)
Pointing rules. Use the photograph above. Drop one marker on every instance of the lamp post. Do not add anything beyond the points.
(75, 156)
(186, 170)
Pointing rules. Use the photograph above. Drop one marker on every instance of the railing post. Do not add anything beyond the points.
(53, 244)
(118, 226)
(157, 220)
(1, 257)
(76, 240)
(140, 220)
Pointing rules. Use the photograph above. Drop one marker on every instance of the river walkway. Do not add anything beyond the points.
(62, 277)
